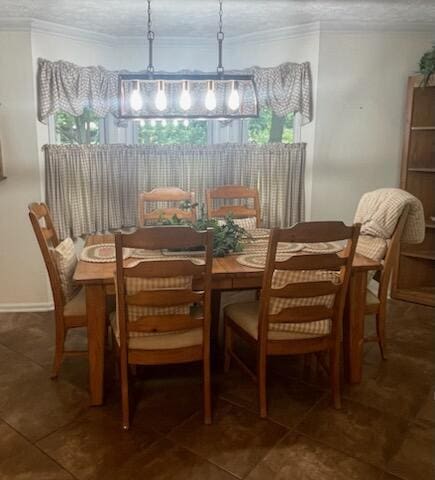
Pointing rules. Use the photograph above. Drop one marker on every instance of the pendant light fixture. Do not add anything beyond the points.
(153, 95)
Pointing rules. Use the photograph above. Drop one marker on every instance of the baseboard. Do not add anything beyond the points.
(26, 307)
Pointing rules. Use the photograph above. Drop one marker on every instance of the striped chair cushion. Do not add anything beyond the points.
(248, 223)
(65, 259)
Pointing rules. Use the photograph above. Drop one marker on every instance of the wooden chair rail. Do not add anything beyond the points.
(164, 323)
(315, 232)
(163, 269)
(164, 298)
(303, 314)
(305, 289)
(327, 261)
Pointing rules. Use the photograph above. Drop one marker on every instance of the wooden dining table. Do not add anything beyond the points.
(227, 274)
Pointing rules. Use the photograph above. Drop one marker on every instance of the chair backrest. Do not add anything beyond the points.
(391, 257)
(307, 288)
(169, 195)
(47, 237)
(233, 192)
(154, 292)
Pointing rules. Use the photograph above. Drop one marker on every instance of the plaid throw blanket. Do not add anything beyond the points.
(380, 210)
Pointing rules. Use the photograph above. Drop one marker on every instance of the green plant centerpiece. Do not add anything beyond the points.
(227, 235)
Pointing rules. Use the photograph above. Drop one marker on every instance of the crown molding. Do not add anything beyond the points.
(205, 43)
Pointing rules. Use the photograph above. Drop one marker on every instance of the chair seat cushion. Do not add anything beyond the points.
(76, 306)
(248, 223)
(65, 259)
(160, 340)
(245, 315)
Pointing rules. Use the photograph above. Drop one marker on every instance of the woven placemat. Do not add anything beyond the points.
(102, 253)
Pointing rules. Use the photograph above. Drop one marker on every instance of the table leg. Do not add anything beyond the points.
(353, 330)
(214, 329)
(96, 312)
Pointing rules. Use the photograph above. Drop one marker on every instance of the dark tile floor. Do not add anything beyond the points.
(385, 429)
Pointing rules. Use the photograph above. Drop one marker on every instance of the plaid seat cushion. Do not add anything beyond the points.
(65, 259)
(248, 223)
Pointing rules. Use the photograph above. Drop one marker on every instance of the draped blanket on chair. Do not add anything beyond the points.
(94, 188)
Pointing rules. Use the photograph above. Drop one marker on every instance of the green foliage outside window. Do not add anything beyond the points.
(260, 128)
(159, 134)
(77, 130)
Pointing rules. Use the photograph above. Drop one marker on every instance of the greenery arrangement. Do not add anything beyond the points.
(227, 235)
(427, 65)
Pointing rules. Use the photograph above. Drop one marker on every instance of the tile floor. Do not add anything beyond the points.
(385, 429)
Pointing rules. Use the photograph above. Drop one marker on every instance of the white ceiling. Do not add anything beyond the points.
(197, 18)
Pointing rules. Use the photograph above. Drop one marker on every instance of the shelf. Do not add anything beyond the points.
(424, 254)
(423, 295)
(422, 170)
(417, 129)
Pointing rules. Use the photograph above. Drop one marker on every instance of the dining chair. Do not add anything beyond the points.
(69, 302)
(301, 305)
(248, 217)
(168, 195)
(376, 304)
(163, 307)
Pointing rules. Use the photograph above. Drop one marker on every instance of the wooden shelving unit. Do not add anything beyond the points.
(414, 279)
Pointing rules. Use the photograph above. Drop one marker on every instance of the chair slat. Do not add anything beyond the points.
(162, 298)
(305, 289)
(327, 261)
(165, 268)
(236, 211)
(306, 314)
(167, 213)
(315, 232)
(164, 323)
(158, 237)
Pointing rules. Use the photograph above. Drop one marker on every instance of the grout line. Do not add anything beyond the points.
(40, 450)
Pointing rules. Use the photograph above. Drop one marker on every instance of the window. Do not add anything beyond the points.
(168, 132)
(84, 129)
(270, 128)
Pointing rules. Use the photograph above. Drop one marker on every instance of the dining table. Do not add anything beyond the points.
(227, 274)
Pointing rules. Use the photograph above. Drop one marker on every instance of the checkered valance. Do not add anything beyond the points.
(64, 86)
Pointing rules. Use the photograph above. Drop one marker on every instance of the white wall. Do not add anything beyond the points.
(22, 274)
(360, 115)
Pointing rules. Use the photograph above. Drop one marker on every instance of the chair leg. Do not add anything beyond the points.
(228, 346)
(380, 329)
(207, 390)
(261, 375)
(59, 352)
(124, 393)
(334, 372)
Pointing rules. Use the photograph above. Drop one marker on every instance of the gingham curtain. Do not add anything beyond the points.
(94, 188)
(64, 86)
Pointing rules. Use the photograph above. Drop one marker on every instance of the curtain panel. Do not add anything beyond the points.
(94, 188)
(66, 87)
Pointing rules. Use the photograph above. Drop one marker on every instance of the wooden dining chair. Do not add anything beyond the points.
(163, 307)
(236, 193)
(171, 195)
(376, 304)
(301, 306)
(69, 307)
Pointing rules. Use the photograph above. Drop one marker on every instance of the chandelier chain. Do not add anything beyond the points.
(150, 36)
(220, 38)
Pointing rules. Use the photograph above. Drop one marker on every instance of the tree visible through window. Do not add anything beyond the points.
(80, 130)
(170, 132)
(269, 128)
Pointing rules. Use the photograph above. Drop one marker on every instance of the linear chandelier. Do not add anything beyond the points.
(153, 95)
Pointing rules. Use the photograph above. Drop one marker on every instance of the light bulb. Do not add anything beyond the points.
(164, 123)
(234, 100)
(161, 101)
(186, 122)
(185, 100)
(153, 122)
(175, 122)
(210, 98)
(136, 101)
